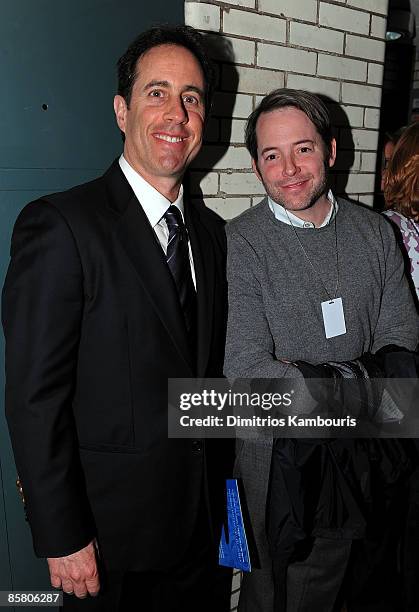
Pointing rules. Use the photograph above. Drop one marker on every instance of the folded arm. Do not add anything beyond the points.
(250, 351)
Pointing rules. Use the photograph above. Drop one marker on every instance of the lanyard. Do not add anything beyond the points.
(311, 263)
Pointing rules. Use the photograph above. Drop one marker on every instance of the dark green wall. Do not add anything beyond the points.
(57, 69)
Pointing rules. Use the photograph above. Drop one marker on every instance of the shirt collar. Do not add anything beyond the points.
(290, 219)
(152, 201)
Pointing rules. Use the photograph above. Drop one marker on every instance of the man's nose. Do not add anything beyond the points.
(175, 111)
(290, 166)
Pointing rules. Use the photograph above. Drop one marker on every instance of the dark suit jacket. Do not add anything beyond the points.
(93, 330)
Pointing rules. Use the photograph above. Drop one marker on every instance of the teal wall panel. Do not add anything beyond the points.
(5, 569)
(61, 56)
(57, 67)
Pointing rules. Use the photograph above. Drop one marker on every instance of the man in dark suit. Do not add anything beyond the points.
(113, 287)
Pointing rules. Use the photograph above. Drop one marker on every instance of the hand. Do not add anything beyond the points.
(76, 573)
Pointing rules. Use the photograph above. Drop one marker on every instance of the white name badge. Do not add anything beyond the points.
(333, 318)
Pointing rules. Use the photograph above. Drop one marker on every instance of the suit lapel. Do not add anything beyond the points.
(204, 272)
(139, 241)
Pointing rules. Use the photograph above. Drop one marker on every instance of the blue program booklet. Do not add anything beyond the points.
(235, 552)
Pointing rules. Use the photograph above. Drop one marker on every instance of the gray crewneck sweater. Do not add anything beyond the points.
(275, 295)
(275, 312)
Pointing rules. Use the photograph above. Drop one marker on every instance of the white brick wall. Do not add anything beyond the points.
(203, 16)
(315, 85)
(251, 80)
(291, 60)
(375, 6)
(331, 47)
(375, 73)
(253, 25)
(341, 67)
(363, 95)
(305, 10)
(367, 48)
(343, 18)
(372, 118)
(378, 26)
(315, 37)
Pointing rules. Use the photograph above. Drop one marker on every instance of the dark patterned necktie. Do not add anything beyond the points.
(180, 267)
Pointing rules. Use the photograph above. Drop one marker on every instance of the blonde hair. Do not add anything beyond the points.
(401, 184)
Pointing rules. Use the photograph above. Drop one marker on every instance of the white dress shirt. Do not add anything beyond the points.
(155, 206)
(290, 219)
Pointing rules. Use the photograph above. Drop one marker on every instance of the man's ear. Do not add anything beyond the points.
(255, 169)
(120, 108)
(332, 157)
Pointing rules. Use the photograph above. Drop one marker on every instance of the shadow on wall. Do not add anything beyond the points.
(345, 157)
(218, 131)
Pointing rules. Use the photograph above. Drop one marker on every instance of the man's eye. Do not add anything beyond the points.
(271, 157)
(305, 149)
(191, 100)
(155, 93)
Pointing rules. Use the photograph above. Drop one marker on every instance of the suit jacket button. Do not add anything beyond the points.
(197, 446)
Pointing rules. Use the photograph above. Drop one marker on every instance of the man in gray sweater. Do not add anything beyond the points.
(311, 278)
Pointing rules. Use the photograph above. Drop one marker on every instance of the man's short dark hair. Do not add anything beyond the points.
(183, 36)
(308, 103)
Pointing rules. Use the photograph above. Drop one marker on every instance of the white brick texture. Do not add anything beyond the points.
(368, 161)
(378, 26)
(252, 80)
(306, 10)
(249, 24)
(284, 58)
(341, 67)
(367, 48)
(315, 85)
(361, 94)
(375, 73)
(202, 16)
(242, 49)
(368, 200)
(375, 6)
(347, 115)
(315, 37)
(343, 18)
(220, 159)
(354, 115)
(247, 3)
(233, 130)
(331, 47)
(207, 182)
(228, 208)
(241, 183)
(230, 105)
(372, 118)
(361, 139)
(360, 183)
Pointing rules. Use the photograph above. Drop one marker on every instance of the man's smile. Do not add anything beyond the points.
(294, 185)
(171, 139)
